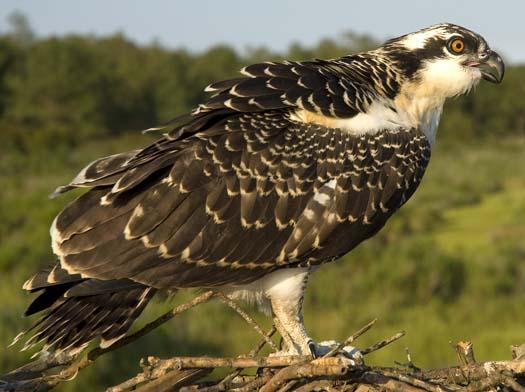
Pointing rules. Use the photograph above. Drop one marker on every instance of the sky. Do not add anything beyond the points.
(199, 24)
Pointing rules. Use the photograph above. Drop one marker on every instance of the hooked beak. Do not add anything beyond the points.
(491, 66)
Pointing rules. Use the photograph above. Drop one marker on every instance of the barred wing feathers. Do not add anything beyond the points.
(337, 88)
(251, 193)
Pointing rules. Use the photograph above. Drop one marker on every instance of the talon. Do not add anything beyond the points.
(312, 347)
(323, 348)
(354, 354)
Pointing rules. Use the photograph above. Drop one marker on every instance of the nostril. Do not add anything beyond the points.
(484, 55)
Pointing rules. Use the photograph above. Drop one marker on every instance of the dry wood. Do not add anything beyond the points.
(465, 351)
(377, 381)
(518, 351)
(333, 372)
(218, 362)
(383, 343)
(225, 383)
(173, 380)
(350, 339)
(330, 367)
(248, 319)
(415, 382)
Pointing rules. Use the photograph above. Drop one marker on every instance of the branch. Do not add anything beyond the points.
(247, 318)
(173, 380)
(330, 367)
(333, 372)
(383, 343)
(350, 339)
(224, 384)
(338, 373)
(465, 352)
(181, 363)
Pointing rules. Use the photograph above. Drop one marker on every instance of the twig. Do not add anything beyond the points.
(204, 362)
(415, 382)
(385, 383)
(332, 372)
(382, 343)
(409, 364)
(337, 366)
(35, 368)
(225, 382)
(254, 385)
(518, 351)
(350, 339)
(148, 374)
(247, 318)
(173, 380)
(204, 297)
(513, 384)
(322, 385)
(465, 351)
(336, 350)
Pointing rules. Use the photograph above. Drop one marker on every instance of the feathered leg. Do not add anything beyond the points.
(286, 293)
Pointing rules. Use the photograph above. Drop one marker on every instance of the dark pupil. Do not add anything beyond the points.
(458, 45)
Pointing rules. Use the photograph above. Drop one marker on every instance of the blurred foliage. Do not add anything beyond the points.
(448, 266)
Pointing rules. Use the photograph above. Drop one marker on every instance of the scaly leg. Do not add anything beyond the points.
(286, 292)
(285, 289)
(289, 322)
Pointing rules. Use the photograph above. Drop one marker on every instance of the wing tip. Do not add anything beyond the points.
(209, 88)
(28, 285)
(17, 338)
(152, 129)
(105, 343)
(59, 190)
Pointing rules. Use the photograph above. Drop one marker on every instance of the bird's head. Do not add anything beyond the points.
(445, 60)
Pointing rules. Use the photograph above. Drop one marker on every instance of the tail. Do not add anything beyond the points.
(78, 310)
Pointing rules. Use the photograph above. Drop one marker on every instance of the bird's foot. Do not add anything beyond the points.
(317, 350)
(322, 348)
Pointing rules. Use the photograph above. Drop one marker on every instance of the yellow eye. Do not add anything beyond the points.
(457, 46)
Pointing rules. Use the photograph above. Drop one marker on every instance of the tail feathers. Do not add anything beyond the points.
(52, 277)
(48, 298)
(82, 310)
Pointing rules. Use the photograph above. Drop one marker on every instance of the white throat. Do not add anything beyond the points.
(405, 112)
(418, 104)
(421, 112)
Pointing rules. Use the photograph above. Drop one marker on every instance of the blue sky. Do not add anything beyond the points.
(198, 24)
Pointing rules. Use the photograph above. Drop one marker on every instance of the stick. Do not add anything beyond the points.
(225, 382)
(204, 362)
(205, 297)
(382, 343)
(332, 367)
(35, 368)
(172, 381)
(350, 339)
(415, 382)
(465, 352)
(385, 383)
(247, 318)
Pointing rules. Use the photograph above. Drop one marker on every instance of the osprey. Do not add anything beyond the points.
(283, 169)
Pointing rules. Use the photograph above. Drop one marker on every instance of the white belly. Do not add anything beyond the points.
(286, 283)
